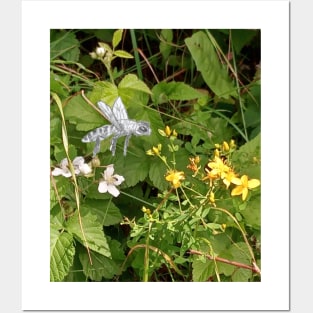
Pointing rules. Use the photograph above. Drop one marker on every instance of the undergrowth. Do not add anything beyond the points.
(184, 203)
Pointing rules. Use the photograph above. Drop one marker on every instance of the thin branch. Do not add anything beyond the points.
(254, 268)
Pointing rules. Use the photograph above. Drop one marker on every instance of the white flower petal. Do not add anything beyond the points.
(78, 161)
(85, 169)
(57, 172)
(64, 163)
(67, 174)
(108, 172)
(103, 186)
(118, 179)
(113, 190)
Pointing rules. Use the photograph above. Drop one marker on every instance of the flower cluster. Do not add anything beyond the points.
(107, 183)
(80, 167)
(220, 169)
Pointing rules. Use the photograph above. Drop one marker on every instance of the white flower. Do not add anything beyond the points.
(109, 181)
(79, 167)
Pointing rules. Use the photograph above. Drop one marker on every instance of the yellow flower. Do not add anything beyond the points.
(175, 178)
(155, 150)
(167, 131)
(229, 176)
(218, 167)
(225, 146)
(243, 185)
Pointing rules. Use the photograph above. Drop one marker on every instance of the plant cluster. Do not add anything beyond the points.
(184, 203)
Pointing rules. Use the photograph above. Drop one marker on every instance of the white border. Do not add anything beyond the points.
(37, 19)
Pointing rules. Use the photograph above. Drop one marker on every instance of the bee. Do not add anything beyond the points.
(120, 126)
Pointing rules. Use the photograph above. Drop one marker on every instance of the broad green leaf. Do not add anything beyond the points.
(80, 113)
(132, 82)
(93, 233)
(105, 210)
(208, 64)
(62, 252)
(164, 92)
(201, 271)
(242, 37)
(247, 158)
(123, 54)
(102, 267)
(135, 166)
(104, 91)
(252, 213)
(117, 37)
(66, 46)
(157, 172)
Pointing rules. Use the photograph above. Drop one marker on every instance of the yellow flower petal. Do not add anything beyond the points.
(237, 191)
(244, 193)
(253, 183)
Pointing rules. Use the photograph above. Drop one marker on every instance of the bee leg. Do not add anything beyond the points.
(113, 145)
(126, 144)
(96, 149)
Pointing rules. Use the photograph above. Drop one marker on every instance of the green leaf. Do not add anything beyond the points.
(132, 82)
(123, 54)
(242, 37)
(208, 64)
(105, 91)
(62, 253)
(105, 210)
(202, 270)
(66, 46)
(102, 267)
(117, 37)
(165, 43)
(164, 92)
(156, 174)
(129, 167)
(93, 233)
(80, 113)
(246, 158)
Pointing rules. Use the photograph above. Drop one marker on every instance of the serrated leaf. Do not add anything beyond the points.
(164, 92)
(201, 271)
(156, 174)
(132, 82)
(62, 253)
(102, 267)
(208, 64)
(123, 54)
(105, 91)
(93, 233)
(129, 167)
(117, 37)
(80, 113)
(107, 213)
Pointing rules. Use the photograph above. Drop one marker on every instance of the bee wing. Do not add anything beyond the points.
(108, 113)
(119, 110)
(102, 133)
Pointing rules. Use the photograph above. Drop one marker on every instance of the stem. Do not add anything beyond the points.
(253, 268)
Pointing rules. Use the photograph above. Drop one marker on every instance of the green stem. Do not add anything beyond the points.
(135, 47)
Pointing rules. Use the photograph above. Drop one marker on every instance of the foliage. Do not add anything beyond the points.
(184, 203)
